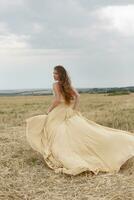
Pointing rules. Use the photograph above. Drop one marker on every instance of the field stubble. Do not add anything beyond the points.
(23, 172)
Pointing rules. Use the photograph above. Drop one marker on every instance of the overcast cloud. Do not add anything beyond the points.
(93, 39)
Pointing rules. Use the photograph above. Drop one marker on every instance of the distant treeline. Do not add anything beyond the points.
(112, 91)
(109, 91)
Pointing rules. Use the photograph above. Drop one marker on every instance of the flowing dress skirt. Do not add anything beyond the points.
(70, 143)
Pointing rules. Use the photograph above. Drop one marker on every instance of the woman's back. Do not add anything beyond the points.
(74, 93)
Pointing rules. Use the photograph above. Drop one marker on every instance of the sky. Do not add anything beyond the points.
(92, 39)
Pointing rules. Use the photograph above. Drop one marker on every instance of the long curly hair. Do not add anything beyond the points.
(65, 83)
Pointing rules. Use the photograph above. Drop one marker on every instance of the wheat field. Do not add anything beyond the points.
(25, 176)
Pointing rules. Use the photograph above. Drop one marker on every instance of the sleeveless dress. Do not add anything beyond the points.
(71, 144)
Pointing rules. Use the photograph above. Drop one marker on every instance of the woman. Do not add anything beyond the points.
(69, 142)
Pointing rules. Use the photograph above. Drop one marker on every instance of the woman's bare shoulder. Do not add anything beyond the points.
(55, 83)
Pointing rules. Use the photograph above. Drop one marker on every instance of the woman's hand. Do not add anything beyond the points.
(47, 112)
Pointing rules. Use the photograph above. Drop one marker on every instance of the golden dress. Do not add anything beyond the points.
(70, 143)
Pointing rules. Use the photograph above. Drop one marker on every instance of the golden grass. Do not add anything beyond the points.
(23, 172)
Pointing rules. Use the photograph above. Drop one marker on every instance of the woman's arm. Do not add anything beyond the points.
(76, 99)
(56, 99)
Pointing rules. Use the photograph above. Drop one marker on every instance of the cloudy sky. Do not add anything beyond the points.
(92, 39)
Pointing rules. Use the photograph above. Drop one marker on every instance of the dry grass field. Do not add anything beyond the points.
(25, 176)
